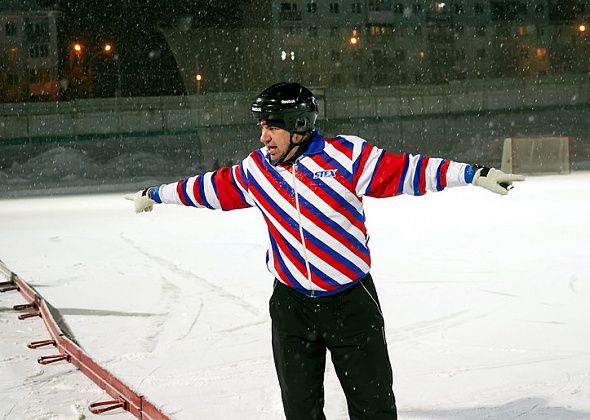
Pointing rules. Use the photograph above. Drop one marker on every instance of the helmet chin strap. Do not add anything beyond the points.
(291, 146)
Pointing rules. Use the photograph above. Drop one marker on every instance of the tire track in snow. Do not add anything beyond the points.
(170, 294)
(195, 319)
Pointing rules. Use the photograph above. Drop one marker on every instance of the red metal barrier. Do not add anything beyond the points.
(42, 343)
(123, 396)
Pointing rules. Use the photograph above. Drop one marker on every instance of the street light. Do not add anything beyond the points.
(76, 49)
(198, 78)
(77, 71)
(108, 48)
(354, 39)
(582, 27)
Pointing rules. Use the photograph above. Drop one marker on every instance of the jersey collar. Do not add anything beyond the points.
(317, 144)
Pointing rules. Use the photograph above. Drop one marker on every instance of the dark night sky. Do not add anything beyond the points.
(212, 12)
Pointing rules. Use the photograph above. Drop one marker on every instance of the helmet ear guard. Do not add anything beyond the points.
(302, 125)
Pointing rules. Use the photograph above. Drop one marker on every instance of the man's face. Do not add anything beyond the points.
(277, 142)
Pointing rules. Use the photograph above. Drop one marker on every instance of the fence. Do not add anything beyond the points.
(172, 114)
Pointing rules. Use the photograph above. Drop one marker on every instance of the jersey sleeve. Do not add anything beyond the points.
(383, 174)
(225, 189)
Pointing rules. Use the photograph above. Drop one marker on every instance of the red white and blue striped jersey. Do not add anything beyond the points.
(313, 208)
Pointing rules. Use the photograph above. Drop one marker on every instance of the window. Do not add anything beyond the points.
(417, 8)
(539, 8)
(289, 11)
(10, 28)
(379, 5)
(459, 9)
(39, 50)
(334, 8)
(312, 7)
(480, 31)
(417, 30)
(377, 30)
(479, 8)
(356, 8)
(398, 8)
(507, 11)
(36, 29)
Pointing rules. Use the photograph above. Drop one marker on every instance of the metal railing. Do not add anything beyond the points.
(68, 351)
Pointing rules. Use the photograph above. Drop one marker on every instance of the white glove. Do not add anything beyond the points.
(495, 180)
(142, 200)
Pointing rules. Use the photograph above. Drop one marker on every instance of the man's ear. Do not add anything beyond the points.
(298, 138)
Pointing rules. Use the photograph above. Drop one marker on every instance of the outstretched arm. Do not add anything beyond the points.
(224, 189)
(384, 174)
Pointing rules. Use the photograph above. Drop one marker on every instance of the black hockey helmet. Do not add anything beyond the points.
(286, 105)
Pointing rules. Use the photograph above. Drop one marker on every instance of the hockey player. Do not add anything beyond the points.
(309, 189)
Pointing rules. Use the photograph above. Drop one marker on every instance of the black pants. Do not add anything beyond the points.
(350, 325)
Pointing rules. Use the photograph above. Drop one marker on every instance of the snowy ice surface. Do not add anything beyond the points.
(486, 301)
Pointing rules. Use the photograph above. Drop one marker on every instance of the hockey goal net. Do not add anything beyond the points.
(536, 155)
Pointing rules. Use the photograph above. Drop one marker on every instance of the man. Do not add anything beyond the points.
(309, 190)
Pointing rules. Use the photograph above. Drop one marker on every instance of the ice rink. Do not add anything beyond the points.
(486, 302)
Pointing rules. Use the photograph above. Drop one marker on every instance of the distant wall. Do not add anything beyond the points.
(461, 120)
(462, 137)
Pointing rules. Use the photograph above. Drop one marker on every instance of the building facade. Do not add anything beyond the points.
(424, 41)
(328, 43)
(28, 52)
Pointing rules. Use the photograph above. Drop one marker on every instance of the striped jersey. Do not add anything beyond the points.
(313, 208)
